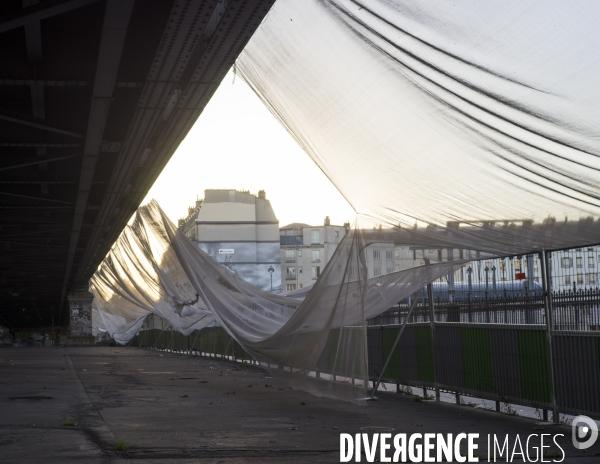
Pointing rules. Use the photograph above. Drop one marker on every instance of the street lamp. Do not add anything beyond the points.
(271, 271)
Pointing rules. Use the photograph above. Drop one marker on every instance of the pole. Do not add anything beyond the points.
(271, 271)
(387, 361)
(545, 258)
(487, 304)
(470, 288)
(432, 327)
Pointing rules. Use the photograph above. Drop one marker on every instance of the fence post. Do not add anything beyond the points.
(546, 279)
(432, 327)
(385, 364)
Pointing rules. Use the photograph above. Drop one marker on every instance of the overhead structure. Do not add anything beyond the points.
(95, 96)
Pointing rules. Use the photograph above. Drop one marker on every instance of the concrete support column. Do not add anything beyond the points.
(80, 317)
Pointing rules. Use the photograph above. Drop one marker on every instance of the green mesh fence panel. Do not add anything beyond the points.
(533, 357)
(389, 335)
(424, 354)
(477, 362)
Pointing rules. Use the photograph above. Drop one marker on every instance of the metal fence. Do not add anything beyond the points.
(510, 364)
(490, 340)
(506, 363)
(577, 310)
(210, 341)
(534, 341)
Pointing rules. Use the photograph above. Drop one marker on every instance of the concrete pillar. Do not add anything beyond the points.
(80, 317)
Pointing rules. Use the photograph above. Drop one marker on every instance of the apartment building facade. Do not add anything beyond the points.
(239, 230)
(572, 269)
(305, 251)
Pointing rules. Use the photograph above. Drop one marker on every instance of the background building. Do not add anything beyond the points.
(575, 268)
(305, 250)
(239, 230)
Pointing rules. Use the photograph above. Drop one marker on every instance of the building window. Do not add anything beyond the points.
(567, 280)
(579, 261)
(299, 269)
(290, 287)
(590, 278)
(337, 234)
(316, 272)
(488, 265)
(315, 237)
(301, 285)
(590, 249)
(316, 256)
(579, 278)
(290, 256)
(566, 262)
(377, 255)
(517, 265)
(377, 271)
(397, 254)
(389, 254)
(591, 262)
(351, 270)
(389, 270)
(290, 272)
(299, 253)
(502, 266)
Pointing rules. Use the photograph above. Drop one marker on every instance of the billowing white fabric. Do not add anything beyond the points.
(153, 265)
(482, 113)
(140, 276)
(462, 125)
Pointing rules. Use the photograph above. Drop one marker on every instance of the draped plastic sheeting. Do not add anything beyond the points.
(480, 116)
(461, 125)
(129, 285)
(154, 269)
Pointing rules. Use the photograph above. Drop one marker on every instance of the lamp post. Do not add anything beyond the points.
(271, 271)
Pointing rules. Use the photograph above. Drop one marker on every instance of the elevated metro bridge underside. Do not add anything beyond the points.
(95, 97)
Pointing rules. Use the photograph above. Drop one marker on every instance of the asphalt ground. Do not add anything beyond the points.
(107, 404)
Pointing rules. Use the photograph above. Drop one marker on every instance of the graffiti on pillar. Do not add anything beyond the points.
(81, 319)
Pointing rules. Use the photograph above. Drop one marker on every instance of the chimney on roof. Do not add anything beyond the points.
(327, 221)
(347, 225)
(262, 194)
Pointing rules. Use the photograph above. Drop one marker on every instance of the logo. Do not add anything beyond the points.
(590, 429)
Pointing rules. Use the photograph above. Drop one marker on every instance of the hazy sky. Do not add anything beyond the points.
(237, 144)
